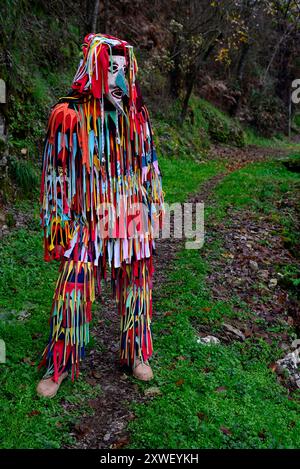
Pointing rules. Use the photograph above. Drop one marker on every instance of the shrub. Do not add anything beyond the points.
(23, 174)
(221, 128)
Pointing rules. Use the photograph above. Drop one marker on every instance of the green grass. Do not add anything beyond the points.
(26, 287)
(182, 177)
(278, 141)
(215, 396)
(257, 186)
(25, 175)
(251, 411)
(254, 407)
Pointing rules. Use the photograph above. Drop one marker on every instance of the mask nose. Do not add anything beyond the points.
(121, 82)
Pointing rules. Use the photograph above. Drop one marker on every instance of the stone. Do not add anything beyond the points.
(23, 315)
(290, 362)
(208, 340)
(284, 346)
(296, 343)
(253, 265)
(235, 331)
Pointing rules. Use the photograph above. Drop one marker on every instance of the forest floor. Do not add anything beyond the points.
(240, 287)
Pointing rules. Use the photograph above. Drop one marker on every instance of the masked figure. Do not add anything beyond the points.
(101, 206)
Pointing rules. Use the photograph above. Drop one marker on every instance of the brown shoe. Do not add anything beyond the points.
(48, 388)
(142, 371)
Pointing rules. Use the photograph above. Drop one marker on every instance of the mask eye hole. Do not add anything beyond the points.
(115, 67)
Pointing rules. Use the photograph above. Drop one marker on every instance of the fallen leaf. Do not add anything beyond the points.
(262, 434)
(120, 443)
(273, 282)
(81, 430)
(93, 403)
(202, 416)
(273, 366)
(36, 335)
(152, 391)
(228, 255)
(28, 361)
(179, 382)
(91, 381)
(96, 374)
(226, 431)
(221, 389)
(33, 413)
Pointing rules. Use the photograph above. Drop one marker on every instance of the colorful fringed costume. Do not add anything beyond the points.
(102, 204)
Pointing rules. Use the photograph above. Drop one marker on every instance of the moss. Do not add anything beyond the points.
(220, 127)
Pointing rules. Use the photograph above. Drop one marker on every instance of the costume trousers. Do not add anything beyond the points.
(77, 287)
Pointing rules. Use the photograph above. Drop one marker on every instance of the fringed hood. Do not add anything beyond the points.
(92, 76)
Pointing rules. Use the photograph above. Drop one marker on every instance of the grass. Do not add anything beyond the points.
(215, 396)
(257, 185)
(184, 176)
(278, 141)
(26, 287)
(25, 175)
(212, 397)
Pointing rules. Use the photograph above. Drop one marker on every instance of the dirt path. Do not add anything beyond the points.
(107, 428)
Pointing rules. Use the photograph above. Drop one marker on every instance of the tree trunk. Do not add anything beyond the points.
(189, 89)
(175, 73)
(103, 23)
(94, 18)
(239, 77)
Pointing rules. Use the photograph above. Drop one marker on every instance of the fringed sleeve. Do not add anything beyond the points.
(58, 182)
(151, 171)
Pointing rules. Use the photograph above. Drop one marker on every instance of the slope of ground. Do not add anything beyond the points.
(228, 395)
(201, 396)
(197, 306)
